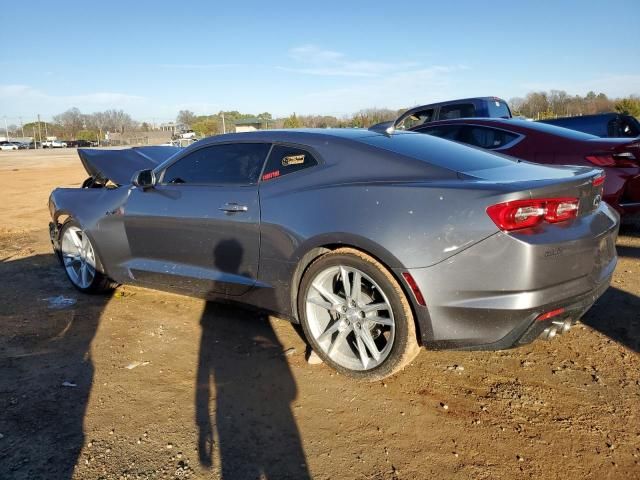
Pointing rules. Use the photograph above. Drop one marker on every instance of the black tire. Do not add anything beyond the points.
(405, 345)
(100, 282)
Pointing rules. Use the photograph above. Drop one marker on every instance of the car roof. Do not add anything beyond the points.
(514, 124)
(294, 135)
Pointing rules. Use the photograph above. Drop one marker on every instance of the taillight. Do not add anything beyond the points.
(622, 159)
(520, 214)
(599, 180)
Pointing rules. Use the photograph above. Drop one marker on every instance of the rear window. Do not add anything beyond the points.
(457, 110)
(498, 109)
(284, 160)
(438, 152)
(485, 137)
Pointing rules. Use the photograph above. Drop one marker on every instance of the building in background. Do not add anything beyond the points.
(251, 125)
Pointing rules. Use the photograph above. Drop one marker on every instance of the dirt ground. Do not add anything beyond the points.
(143, 385)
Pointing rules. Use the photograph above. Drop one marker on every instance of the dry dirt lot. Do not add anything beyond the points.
(164, 386)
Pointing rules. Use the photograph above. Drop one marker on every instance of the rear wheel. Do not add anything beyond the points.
(80, 261)
(355, 315)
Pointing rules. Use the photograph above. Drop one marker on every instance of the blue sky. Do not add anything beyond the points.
(321, 57)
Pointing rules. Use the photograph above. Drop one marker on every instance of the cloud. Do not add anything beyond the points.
(313, 60)
(200, 66)
(27, 100)
(401, 89)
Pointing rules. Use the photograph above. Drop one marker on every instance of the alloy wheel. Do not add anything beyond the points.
(350, 317)
(78, 257)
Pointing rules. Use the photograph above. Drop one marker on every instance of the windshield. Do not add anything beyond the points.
(498, 109)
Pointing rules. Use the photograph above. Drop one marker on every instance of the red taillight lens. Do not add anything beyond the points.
(622, 159)
(520, 214)
(599, 180)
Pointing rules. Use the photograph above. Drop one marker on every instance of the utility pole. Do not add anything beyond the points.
(39, 131)
(21, 127)
(224, 128)
(6, 129)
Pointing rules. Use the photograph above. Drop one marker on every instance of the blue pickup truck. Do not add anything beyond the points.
(492, 107)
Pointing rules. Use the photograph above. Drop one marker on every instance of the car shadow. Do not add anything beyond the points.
(617, 315)
(46, 370)
(628, 252)
(244, 391)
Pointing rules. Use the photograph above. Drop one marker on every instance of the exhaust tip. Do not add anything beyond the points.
(563, 326)
(549, 332)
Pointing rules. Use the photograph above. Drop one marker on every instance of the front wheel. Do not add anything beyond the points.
(356, 316)
(80, 262)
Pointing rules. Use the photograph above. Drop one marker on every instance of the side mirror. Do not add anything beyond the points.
(144, 179)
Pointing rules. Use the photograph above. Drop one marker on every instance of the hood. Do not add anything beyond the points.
(120, 165)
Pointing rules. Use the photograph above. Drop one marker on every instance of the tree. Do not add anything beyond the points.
(292, 122)
(629, 106)
(186, 117)
(206, 126)
(71, 121)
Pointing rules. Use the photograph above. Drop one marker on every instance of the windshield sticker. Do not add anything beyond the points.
(293, 160)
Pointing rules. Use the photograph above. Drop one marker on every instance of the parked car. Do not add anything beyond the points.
(5, 145)
(78, 143)
(492, 107)
(549, 144)
(600, 125)
(375, 243)
(54, 144)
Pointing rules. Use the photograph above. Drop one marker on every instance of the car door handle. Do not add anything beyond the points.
(233, 208)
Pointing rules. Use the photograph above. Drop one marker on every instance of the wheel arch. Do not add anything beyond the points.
(386, 259)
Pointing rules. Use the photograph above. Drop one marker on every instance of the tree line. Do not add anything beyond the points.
(73, 124)
(558, 103)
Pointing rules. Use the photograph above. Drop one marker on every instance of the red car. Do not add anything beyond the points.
(542, 143)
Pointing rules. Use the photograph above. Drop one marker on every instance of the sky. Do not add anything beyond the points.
(314, 57)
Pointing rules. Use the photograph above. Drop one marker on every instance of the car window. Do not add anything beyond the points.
(418, 118)
(498, 109)
(450, 132)
(226, 164)
(284, 160)
(628, 128)
(485, 137)
(449, 155)
(457, 110)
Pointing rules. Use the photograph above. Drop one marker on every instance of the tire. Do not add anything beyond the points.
(80, 261)
(344, 327)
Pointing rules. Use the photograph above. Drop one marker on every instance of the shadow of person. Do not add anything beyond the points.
(46, 370)
(617, 315)
(243, 369)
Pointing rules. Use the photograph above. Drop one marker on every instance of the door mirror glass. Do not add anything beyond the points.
(144, 179)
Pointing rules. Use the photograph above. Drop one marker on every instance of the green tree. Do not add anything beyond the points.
(206, 126)
(292, 122)
(629, 106)
(90, 135)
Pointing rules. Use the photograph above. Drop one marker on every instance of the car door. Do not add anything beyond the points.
(198, 229)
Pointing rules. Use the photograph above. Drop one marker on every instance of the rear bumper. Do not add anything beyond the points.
(489, 295)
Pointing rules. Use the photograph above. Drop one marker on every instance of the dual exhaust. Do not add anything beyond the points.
(557, 327)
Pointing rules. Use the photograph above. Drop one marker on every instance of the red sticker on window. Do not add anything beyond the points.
(270, 175)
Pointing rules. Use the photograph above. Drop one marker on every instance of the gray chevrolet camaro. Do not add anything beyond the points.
(376, 242)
